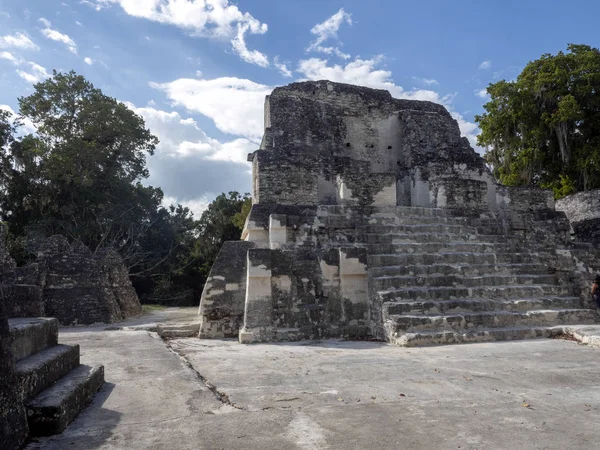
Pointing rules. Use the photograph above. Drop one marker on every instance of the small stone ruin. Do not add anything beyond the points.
(373, 218)
(78, 286)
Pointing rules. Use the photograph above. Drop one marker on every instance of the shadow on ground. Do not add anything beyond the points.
(99, 423)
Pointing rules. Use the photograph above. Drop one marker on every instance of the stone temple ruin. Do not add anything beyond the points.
(373, 218)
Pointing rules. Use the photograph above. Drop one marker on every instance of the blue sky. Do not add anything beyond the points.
(198, 70)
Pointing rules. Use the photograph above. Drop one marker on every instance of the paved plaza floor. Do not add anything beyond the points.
(218, 394)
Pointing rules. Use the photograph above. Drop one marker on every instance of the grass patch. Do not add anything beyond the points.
(151, 308)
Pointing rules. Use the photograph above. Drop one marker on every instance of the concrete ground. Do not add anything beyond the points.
(201, 394)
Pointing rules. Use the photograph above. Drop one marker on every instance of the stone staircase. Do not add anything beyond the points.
(55, 388)
(444, 279)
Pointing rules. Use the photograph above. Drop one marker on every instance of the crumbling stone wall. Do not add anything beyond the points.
(80, 287)
(68, 282)
(18, 295)
(583, 211)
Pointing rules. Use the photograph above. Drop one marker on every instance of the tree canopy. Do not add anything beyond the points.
(544, 128)
(81, 175)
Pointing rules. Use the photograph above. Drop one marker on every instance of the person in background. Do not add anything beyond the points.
(596, 290)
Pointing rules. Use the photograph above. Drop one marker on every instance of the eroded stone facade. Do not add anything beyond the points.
(355, 195)
(71, 283)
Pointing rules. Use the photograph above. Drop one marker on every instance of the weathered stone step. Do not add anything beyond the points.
(419, 228)
(458, 269)
(478, 305)
(183, 330)
(402, 211)
(491, 292)
(415, 220)
(423, 339)
(474, 258)
(444, 247)
(489, 319)
(398, 281)
(52, 410)
(37, 372)
(31, 335)
(401, 238)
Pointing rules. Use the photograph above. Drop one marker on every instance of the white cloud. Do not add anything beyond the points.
(196, 206)
(89, 61)
(218, 19)
(468, 130)
(78, 23)
(27, 125)
(57, 36)
(328, 30)
(482, 93)
(9, 57)
(283, 69)
(191, 167)
(485, 65)
(181, 137)
(234, 104)
(364, 72)
(96, 4)
(4, 14)
(250, 56)
(45, 22)
(426, 81)
(36, 73)
(17, 40)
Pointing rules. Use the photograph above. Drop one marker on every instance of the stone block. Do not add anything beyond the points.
(22, 300)
(32, 335)
(223, 297)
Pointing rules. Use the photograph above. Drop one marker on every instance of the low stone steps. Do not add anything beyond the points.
(479, 305)
(419, 228)
(375, 211)
(415, 220)
(412, 211)
(50, 412)
(491, 292)
(445, 247)
(402, 238)
(39, 371)
(423, 339)
(400, 281)
(461, 269)
(410, 259)
(178, 331)
(55, 388)
(443, 278)
(484, 320)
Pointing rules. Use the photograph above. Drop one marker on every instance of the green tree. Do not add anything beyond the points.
(544, 127)
(187, 249)
(80, 174)
(222, 221)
